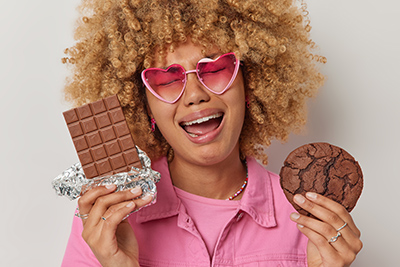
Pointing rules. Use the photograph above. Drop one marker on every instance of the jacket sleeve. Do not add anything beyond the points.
(78, 253)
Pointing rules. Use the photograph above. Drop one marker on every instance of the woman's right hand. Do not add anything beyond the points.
(111, 238)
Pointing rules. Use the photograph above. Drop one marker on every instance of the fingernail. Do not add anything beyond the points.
(136, 190)
(294, 216)
(110, 186)
(299, 199)
(300, 225)
(130, 204)
(311, 195)
(147, 197)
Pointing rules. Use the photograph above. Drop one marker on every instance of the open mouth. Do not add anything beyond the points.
(203, 125)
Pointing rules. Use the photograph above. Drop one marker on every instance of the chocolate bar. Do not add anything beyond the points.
(102, 138)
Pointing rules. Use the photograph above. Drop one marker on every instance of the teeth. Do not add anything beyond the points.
(193, 135)
(201, 120)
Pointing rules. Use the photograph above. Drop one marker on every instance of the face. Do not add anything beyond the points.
(203, 128)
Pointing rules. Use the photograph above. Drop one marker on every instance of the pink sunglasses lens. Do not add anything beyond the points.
(216, 75)
(167, 84)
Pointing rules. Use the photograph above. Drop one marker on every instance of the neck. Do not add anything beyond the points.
(218, 181)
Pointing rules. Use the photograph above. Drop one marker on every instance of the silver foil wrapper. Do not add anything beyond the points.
(72, 183)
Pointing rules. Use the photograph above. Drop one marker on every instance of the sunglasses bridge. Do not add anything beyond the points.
(191, 71)
(185, 72)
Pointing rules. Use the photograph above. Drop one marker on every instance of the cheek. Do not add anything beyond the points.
(237, 106)
(239, 87)
(238, 98)
(240, 105)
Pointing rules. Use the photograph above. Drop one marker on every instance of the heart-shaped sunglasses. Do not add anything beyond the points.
(168, 84)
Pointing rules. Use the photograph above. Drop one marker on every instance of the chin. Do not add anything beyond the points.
(211, 155)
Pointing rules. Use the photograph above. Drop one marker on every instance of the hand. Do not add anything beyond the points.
(111, 238)
(333, 216)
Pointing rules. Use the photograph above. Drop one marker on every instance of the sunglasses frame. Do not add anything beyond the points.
(235, 72)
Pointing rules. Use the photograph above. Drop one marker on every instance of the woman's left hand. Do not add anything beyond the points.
(329, 243)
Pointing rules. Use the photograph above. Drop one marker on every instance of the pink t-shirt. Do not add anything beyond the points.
(209, 215)
(258, 232)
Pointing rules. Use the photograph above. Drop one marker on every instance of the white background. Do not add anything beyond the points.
(357, 109)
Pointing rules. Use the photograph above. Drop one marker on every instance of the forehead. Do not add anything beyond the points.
(186, 54)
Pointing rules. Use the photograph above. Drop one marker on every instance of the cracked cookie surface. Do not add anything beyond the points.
(325, 169)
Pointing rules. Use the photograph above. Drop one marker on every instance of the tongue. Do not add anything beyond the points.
(203, 128)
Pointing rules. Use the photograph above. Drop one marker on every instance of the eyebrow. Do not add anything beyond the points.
(212, 56)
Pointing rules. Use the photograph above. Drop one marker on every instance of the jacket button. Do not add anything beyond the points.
(239, 216)
(187, 224)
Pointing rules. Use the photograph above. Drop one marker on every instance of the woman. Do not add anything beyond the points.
(204, 85)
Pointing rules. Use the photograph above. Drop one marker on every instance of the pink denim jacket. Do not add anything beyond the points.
(259, 234)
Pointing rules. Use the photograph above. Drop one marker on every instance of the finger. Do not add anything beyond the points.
(332, 219)
(115, 208)
(139, 203)
(329, 254)
(102, 236)
(103, 203)
(328, 211)
(325, 230)
(144, 201)
(335, 208)
(85, 202)
(111, 220)
(318, 211)
(110, 224)
(80, 215)
(116, 214)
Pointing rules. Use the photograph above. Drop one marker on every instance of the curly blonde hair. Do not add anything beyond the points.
(117, 39)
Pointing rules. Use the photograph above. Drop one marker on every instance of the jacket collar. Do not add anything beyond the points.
(257, 199)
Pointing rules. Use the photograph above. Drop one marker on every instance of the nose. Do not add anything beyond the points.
(195, 93)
